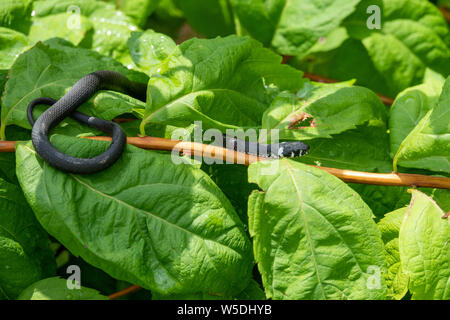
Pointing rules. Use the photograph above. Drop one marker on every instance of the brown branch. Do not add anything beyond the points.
(230, 156)
(123, 120)
(7, 146)
(124, 292)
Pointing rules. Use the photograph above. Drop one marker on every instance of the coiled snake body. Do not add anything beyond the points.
(81, 92)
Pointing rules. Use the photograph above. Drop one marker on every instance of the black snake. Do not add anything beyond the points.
(81, 92)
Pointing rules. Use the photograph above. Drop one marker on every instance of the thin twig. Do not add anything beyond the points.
(124, 292)
(230, 156)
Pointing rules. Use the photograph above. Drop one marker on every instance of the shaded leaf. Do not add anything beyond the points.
(291, 27)
(24, 247)
(212, 18)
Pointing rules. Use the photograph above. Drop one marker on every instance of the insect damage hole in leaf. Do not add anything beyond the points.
(301, 121)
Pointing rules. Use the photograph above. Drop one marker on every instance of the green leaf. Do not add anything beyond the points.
(49, 70)
(424, 250)
(12, 43)
(413, 37)
(396, 280)
(24, 246)
(427, 145)
(313, 236)
(223, 82)
(212, 18)
(291, 27)
(59, 25)
(149, 49)
(87, 7)
(410, 107)
(57, 289)
(327, 110)
(16, 14)
(165, 227)
(109, 32)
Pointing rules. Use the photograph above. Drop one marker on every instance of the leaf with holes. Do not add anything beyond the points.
(321, 110)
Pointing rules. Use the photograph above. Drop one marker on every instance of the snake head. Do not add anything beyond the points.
(292, 149)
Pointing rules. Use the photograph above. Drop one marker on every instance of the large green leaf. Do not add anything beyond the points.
(57, 289)
(428, 145)
(49, 70)
(24, 247)
(145, 220)
(414, 36)
(410, 107)
(396, 279)
(313, 236)
(424, 249)
(320, 111)
(224, 82)
(291, 27)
